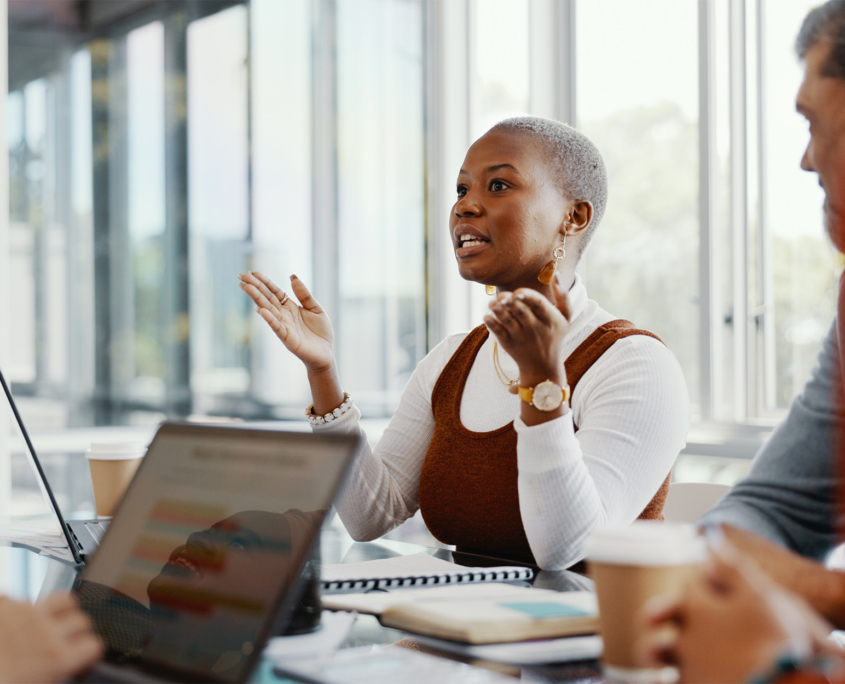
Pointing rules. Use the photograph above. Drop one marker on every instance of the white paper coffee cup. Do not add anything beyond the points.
(113, 465)
(630, 565)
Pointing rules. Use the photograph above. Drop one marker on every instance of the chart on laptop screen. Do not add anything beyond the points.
(212, 531)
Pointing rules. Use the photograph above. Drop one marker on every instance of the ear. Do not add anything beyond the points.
(578, 218)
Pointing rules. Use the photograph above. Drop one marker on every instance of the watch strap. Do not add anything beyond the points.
(527, 394)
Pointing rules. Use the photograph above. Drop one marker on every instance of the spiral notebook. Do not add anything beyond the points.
(414, 570)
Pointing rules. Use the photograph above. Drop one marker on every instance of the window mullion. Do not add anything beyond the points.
(739, 204)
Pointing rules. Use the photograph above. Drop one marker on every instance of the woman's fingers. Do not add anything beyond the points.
(501, 309)
(501, 332)
(521, 312)
(303, 294)
(260, 300)
(517, 311)
(537, 304)
(272, 294)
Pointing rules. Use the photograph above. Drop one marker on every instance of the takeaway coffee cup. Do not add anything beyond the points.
(630, 565)
(113, 466)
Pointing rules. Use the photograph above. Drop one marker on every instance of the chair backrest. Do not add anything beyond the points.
(688, 501)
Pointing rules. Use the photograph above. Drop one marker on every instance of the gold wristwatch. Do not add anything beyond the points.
(546, 396)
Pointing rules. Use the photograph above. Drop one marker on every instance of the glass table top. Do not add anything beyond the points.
(24, 574)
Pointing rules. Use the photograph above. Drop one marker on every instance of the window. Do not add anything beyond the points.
(380, 314)
(218, 206)
(803, 264)
(141, 339)
(195, 135)
(157, 151)
(637, 100)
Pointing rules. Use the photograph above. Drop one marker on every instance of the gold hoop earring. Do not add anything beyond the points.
(490, 289)
(548, 271)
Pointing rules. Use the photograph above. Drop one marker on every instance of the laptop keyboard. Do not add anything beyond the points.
(96, 529)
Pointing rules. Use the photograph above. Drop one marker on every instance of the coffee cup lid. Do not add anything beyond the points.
(647, 542)
(115, 451)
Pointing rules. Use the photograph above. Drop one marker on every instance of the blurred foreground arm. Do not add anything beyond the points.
(48, 642)
(731, 624)
(822, 588)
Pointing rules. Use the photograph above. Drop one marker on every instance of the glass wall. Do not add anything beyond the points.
(218, 205)
(803, 261)
(500, 62)
(158, 149)
(637, 99)
(157, 152)
(142, 347)
(380, 316)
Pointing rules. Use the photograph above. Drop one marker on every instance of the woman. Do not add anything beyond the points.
(524, 475)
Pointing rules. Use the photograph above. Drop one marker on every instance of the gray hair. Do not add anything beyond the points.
(577, 162)
(825, 23)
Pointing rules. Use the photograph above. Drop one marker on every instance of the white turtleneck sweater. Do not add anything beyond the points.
(632, 412)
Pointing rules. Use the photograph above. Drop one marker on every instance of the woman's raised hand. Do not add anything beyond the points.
(531, 329)
(303, 328)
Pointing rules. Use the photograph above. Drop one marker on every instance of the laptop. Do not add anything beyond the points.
(203, 560)
(81, 536)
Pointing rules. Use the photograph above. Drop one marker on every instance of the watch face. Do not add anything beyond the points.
(547, 396)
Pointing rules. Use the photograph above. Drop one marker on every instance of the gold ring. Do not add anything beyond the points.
(284, 299)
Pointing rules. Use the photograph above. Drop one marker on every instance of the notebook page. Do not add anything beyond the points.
(414, 565)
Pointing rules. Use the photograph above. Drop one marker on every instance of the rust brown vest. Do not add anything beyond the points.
(468, 485)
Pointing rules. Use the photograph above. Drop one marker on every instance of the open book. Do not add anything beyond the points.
(418, 569)
(479, 613)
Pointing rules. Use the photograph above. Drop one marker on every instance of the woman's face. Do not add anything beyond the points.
(509, 214)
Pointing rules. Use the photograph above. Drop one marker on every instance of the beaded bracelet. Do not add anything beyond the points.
(331, 415)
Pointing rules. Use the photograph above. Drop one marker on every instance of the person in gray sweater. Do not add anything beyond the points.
(786, 512)
(732, 623)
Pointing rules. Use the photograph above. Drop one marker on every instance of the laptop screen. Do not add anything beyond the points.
(29, 512)
(208, 543)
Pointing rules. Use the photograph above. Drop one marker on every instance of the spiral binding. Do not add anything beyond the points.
(427, 580)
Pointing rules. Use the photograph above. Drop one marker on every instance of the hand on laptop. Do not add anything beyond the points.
(48, 642)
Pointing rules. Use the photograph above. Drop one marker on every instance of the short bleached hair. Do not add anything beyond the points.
(577, 162)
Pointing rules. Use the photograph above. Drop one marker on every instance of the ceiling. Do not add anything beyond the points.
(70, 16)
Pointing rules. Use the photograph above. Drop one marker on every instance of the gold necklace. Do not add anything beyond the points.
(512, 385)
